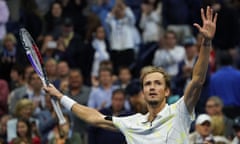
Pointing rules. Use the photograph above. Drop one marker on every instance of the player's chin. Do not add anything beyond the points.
(153, 102)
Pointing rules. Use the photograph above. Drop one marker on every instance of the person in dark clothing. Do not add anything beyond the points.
(225, 84)
(101, 136)
(74, 51)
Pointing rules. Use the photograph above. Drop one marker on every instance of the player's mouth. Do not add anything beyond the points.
(152, 94)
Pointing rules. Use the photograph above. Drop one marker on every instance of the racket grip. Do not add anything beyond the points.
(58, 111)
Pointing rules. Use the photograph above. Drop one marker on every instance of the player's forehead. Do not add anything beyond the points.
(153, 77)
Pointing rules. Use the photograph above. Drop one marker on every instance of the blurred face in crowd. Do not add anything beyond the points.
(100, 33)
(9, 45)
(62, 69)
(28, 70)
(3, 124)
(15, 76)
(191, 51)
(22, 128)
(56, 10)
(75, 80)
(125, 75)
(204, 129)
(35, 82)
(118, 100)
(119, 9)
(26, 111)
(170, 40)
(138, 103)
(213, 108)
(105, 77)
(51, 67)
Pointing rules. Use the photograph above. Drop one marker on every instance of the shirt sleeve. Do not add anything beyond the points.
(124, 123)
(183, 114)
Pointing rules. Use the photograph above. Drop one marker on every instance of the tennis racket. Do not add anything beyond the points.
(35, 58)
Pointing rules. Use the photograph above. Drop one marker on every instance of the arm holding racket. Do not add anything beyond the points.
(87, 114)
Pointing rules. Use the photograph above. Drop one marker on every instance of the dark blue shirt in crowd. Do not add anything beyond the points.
(102, 136)
(225, 83)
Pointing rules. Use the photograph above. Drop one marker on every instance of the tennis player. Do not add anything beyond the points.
(163, 124)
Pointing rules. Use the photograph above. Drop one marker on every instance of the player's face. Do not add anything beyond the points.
(154, 89)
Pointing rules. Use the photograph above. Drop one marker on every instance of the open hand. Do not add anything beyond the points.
(209, 24)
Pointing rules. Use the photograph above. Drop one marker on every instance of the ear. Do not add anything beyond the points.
(167, 92)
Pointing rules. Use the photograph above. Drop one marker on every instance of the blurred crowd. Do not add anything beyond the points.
(94, 51)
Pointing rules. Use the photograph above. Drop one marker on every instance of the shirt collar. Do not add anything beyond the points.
(161, 114)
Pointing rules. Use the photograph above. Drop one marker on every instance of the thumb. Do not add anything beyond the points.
(197, 26)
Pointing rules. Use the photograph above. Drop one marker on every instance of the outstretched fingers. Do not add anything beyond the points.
(215, 18)
(203, 15)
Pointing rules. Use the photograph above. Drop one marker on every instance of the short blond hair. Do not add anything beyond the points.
(9, 37)
(22, 104)
(151, 69)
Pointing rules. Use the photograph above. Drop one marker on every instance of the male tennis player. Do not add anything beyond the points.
(163, 124)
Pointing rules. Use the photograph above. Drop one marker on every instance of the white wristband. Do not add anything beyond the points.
(67, 102)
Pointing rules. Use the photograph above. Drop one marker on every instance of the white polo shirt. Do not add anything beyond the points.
(171, 126)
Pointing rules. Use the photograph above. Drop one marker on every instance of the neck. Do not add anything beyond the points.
(154, 110)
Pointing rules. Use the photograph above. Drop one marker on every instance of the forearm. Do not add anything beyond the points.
(201, 66)
(87, 114)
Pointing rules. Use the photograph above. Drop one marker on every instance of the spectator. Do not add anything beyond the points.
(214, 106)
(185, 67)
(136, 98)
(31, 18)
(100, 136)
(25, 131)
(80, 93)
(226, 87)
(24, 110)
(101, 8)
(3, 20)
(149, 23)
(236, 127)
(9, 56)
(100, 97)
(53, 19)
(73, 50)
(51, 70)
(22, 91)
(17, 77)
(50, 48)
(47, 120)
(121, 23)
(63, 70)
(176, 16)
(101, 50)
(63, 134)
(170, 54)
(3, 128)
(202, 133)
(124, 77)
(4, 92)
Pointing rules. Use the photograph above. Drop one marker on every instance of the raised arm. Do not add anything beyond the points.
(193, 90)
(87, 114)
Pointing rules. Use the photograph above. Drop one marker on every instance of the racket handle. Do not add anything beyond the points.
(58, 111)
